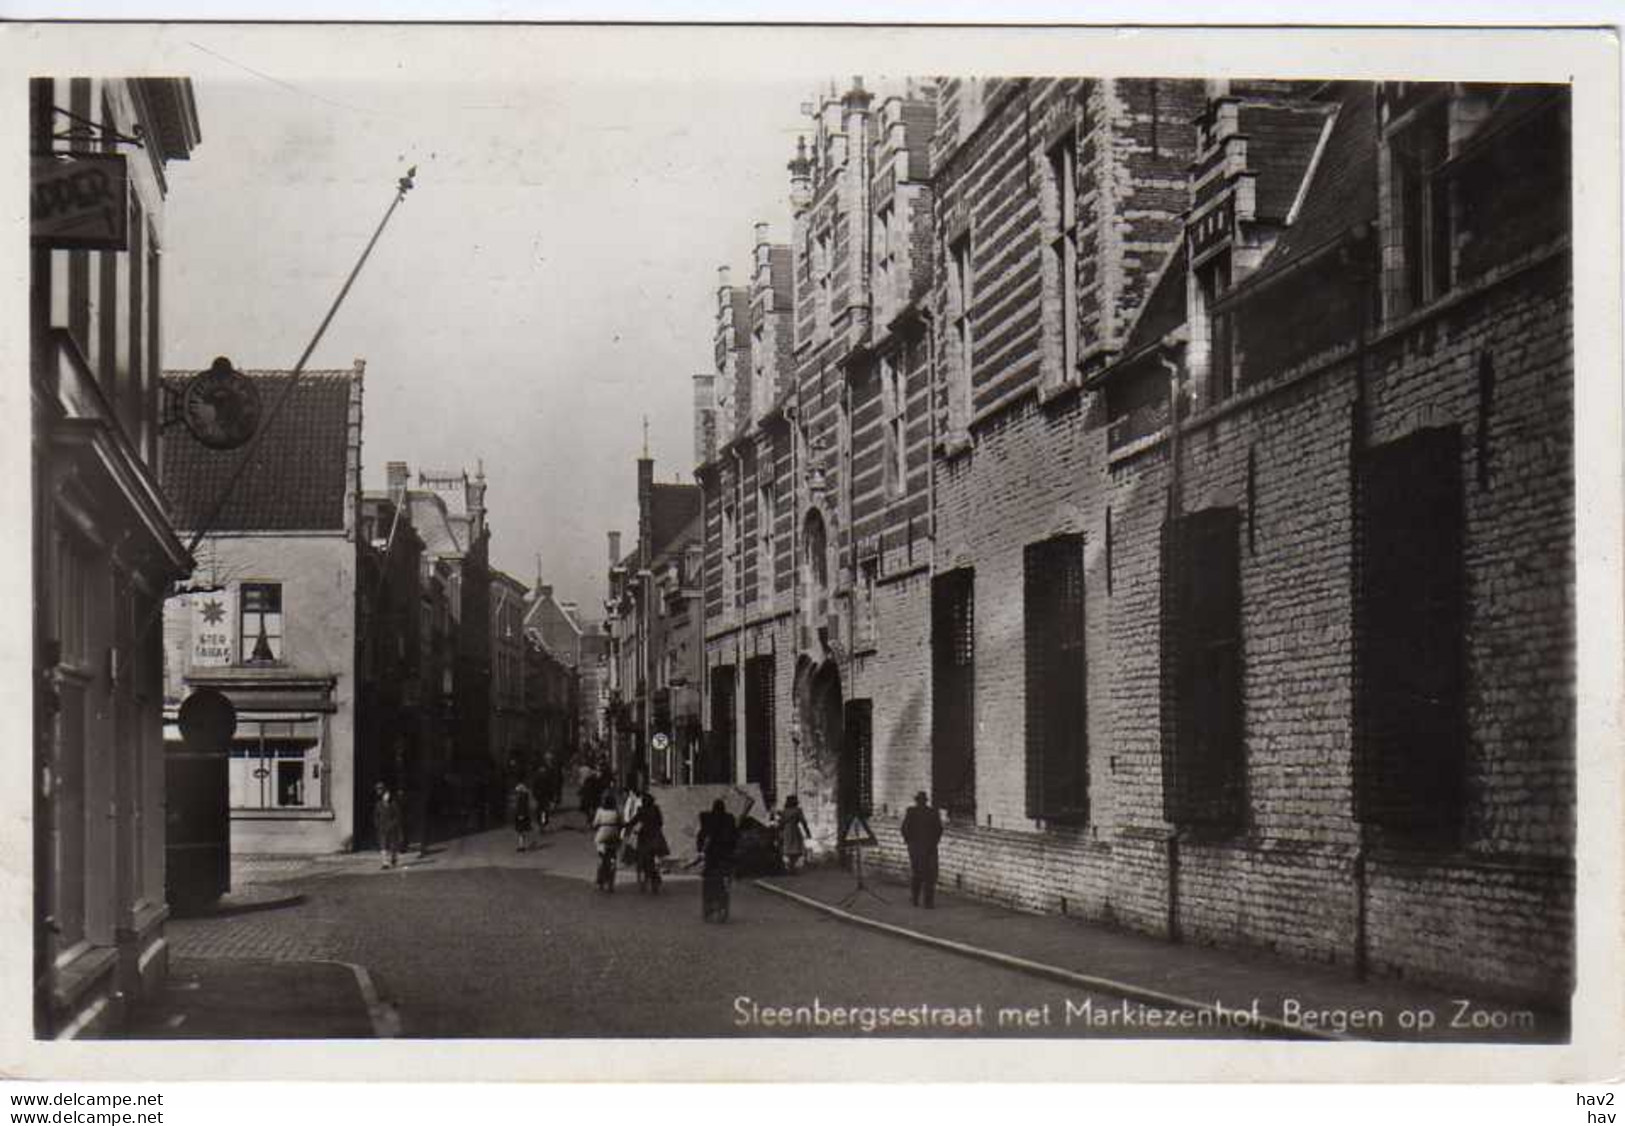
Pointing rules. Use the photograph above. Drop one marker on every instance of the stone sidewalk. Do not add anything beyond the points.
(247, 998)
(1294, 999)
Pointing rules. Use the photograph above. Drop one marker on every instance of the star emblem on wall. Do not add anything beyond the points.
(214, 612)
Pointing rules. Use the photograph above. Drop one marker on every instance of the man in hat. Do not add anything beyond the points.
(386, 820)
(922, 829)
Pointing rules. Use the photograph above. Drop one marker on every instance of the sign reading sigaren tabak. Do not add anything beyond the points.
(213, 629)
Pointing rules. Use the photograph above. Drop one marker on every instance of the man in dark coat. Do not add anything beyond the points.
(922, 829)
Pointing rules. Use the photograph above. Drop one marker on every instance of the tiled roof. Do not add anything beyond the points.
(1342, 190)
(1281, 140)
(433, 523)
(674, 507)
(296, 481)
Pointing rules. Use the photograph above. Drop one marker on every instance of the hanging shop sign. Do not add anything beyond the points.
(207, 720)
(221, 406)
(214, 629)
(80, 201)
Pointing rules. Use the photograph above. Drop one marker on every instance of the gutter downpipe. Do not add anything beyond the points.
(1357, 442)
(1175, 393)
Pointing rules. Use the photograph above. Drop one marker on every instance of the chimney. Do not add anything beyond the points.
(800, 177)
(646, 497)
(705, 418)
(474, 495)
(614, 548)
(397, 477)
(544, 592)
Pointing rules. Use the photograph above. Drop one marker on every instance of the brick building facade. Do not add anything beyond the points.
(1175, 479)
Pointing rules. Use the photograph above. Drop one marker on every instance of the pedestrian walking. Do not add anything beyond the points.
(386, 824)
(606, 837)
(793, 834)
(717, 839)
(648, 825)
(922, 829)
(630, 804)
(521, 807)
(549, 784)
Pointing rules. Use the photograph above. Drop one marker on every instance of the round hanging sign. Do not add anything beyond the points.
(207, 720)
(221, 406)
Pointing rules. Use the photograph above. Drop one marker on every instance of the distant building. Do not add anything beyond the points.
(581, 645)
(272, 620)
(447, 509)
(655, 657)
(104, 549)
(511, 737)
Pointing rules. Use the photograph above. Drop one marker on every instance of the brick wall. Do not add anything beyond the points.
(1300, 876)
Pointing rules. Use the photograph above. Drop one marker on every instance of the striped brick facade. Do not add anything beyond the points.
(1324, 279)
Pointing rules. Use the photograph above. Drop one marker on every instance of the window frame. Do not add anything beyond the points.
(962, 296)
(1061, 242)
(279, 653)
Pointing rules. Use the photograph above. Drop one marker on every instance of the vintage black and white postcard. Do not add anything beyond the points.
(874, 552)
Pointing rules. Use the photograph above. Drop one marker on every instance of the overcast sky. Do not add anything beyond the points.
(550, 281)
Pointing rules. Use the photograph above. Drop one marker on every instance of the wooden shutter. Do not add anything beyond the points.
(1204, 767)
(1057, 739)
(1409, 636)
(953, 687)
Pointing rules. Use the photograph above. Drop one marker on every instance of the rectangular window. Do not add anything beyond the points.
(960, 298)
(1212, 283)
(953, 691)
(276, 764)
(856, 784)
(1409, 654)
(730, 558)
(822, 269)
(1203, 754)
(719, 762)
(894, 410)
(1057, 734)
(759, 713)
(260, 625)
(1420, 198)
(1062, 221)
(886, 298)
(865, 634)
(765, 518)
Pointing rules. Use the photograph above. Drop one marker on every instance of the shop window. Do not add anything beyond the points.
(260, 624)
(1057, 735)
(1409, 656)
(1203, 755)
(953, 691)
(275, 764)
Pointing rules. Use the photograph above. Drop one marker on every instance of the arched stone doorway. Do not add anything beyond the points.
(820, 718)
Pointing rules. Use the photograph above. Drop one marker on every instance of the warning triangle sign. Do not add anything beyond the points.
(857, 832)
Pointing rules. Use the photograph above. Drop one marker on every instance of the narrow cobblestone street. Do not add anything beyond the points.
(477, 940)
